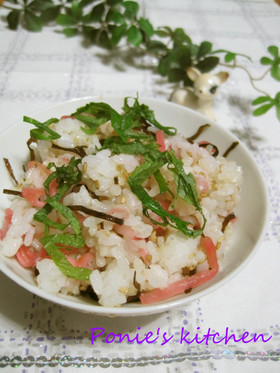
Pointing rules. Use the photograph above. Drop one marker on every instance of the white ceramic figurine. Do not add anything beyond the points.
(200, 96)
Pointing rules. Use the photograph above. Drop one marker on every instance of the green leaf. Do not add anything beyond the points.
(90, 122)
(273, 50)
(90, 33)
(77, 10)
(66, 212)
(133, 117)
(261, 99)
(266, 61)
(117, 33)
(164, 31)
(115, 17)
(87, 18)
(278, 112)
(42, 218)
(204, 48)
(70, 31)
(39, 5)
(277, 98)
(186, 186)
(177, 58)
(65, 20)
(97, 13)
(103, 39)
(43, 132)
(113, 2)
(13, 19)
(84, 3)
(11, 1)
(94, 108)
(146, 26)
(185, 182)
(275, 72)
(263, 109)
(155, 46)
(68, 239)
(208, 64)
(32, 22)
(229, 57)
(193, 50)
(180, 37)
(131, 9)
(229, 52)
(187, 82)
(141, 112)
(50, 14)
(277, 105)
(134, 36)
(176, 75)
(93, 115)
(180, 57)
(136, 147)
(67, 174)
(147, 169)
(163, 186)
(163, 66)
(62, 263)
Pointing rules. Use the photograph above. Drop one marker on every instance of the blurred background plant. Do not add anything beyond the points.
(111, 23)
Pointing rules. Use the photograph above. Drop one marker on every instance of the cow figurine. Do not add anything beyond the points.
(200, 96)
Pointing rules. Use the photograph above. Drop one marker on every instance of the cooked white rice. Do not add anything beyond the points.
(122, 264)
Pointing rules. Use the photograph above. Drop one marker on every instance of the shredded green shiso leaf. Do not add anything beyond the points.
(132, 137)
(42, 132)
(66, 177)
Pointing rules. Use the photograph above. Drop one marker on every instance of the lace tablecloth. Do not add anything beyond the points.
(39, 69)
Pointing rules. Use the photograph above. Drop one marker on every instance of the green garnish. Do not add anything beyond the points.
(117, 146)
(43, 132)
(96, 113)
(50, 244)
(163, 186)
(139, 112)
(93, 115)
(135, 117)
(185, 183)
(65, 176)
(186, 190)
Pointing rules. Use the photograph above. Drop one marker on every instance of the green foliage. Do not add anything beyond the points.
(274, 63)
(230, 56)
(32, 15)
(134, 36)
(266, 103)
(277, 105)
(109, 23)
(13, 19)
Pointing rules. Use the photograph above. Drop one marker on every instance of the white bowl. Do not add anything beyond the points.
(246, 236)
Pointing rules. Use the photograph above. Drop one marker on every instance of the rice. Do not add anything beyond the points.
(135, 257)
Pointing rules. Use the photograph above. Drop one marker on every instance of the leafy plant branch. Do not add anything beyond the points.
(113, 23)
(265, 101)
